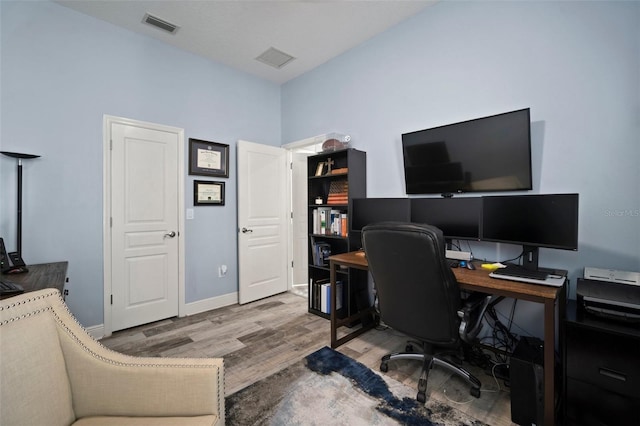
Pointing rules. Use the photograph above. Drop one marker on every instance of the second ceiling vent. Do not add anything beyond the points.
(274, 57)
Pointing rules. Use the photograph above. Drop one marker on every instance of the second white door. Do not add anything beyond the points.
(262, 221)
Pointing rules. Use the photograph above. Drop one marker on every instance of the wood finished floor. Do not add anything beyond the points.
(263, 337)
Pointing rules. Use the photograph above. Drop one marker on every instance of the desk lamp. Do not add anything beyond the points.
(16, 257)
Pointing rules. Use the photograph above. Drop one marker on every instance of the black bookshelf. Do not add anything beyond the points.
(331, 187)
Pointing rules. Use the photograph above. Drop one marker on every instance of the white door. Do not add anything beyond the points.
(299, 207)
(146, 191)
(262, 221)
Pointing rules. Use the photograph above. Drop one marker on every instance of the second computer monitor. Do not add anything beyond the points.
(366, 211)
(542, 220)
(458, 218)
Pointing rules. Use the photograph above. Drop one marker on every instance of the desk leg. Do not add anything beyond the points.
(549, 362)
(334, 315)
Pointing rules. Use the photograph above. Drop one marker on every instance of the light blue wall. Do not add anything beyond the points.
(61, 71)
(575, 64)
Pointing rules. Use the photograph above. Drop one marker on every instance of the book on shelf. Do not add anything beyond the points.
(343, 225)
(324, 214)
(314, 254)
(325, 297)
(315, 298)
(315, 222)
(320, 253)
(335, 227)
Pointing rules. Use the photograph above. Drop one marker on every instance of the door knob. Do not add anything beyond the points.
(170, 234)
(245, 230)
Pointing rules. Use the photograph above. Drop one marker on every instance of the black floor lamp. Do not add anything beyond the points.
(16, 257)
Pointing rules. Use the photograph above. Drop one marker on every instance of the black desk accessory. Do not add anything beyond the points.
(9, 288)
(16, 257)
(9, 263)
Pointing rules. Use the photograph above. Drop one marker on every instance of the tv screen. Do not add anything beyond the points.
(486, 154)
(458, 218)
(532, 220)
(366, 211)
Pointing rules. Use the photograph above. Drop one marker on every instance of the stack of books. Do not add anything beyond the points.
(338, 192)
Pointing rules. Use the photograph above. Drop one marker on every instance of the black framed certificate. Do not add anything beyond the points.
(207, 193)
(208, 158)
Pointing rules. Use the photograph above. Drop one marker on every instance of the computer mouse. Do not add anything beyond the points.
(470, 265)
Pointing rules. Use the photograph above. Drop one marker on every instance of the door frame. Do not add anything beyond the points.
(108, 121)
(309, 146)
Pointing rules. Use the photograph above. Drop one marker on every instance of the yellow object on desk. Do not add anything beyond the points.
(492, 266)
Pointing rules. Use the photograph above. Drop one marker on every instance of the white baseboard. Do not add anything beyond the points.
(211, 303)
(97, 331)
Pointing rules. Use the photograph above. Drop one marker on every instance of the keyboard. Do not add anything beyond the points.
(519, 272)
(9, 288)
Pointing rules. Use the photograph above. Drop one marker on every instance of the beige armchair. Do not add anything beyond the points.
(52, 372)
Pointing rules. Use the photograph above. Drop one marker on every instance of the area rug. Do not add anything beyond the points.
(329, 388)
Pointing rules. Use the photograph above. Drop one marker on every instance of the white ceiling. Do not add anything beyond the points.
(236, 32)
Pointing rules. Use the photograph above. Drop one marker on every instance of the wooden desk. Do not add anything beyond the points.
(477, 280)
(41, 276)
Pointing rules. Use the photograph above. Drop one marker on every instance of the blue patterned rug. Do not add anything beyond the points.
(329, 388)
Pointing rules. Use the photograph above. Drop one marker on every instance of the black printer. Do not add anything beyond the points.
(610, 294)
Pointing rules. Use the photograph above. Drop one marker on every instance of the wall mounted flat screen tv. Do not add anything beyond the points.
(482, 155)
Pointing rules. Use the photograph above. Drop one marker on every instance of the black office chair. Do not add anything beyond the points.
(418, 295)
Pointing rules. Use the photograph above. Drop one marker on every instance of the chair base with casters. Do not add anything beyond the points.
(429, 360)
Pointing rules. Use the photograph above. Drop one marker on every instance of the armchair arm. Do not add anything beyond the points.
(111, 384)
(107, 383)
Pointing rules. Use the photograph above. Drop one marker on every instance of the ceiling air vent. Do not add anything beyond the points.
(274, 57)
(160, 23)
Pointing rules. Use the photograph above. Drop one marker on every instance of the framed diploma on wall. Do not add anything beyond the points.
(208, 158)
(207, 193)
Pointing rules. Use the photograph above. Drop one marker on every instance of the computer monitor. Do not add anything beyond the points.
(365, 211)
(458, 218)
(532, 221)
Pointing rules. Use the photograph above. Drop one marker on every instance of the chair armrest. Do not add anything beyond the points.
(475, 300)
(471, 314)
(107, 383)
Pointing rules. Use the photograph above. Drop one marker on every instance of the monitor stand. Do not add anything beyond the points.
(530, 255)
(530, 258)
